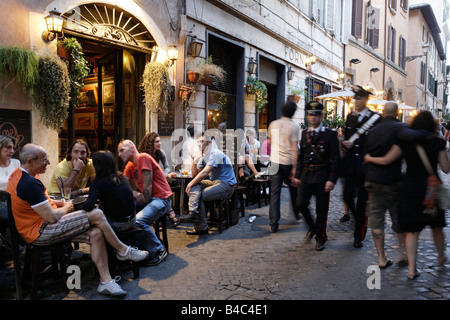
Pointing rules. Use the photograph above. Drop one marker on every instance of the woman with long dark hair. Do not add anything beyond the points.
(151, 144)
(413, 217)
(113, 190)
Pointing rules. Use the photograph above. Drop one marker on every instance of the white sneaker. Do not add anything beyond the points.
(133, 254)
(111, 288)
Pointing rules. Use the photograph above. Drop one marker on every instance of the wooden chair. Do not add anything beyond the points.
(260, 184)
(32, 257)
(219, 205)
(161, 227)
(128, 237)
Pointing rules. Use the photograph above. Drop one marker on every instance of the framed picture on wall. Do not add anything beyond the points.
(108, 93)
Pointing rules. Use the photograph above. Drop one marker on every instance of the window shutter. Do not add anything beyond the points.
(357, 18)
(221, 56)
(330, 15)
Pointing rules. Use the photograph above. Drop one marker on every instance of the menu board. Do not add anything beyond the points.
(166, 123)
(17, 124)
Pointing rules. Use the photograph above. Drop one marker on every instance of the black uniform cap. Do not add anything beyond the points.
(360, 92)
(314, 108)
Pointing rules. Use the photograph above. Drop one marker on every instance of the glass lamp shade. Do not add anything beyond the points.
(54, 21)
(252, 65)
(195, 46)
(290, 74)
(172, 53)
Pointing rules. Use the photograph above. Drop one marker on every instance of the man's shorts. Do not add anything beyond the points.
(73, 226)
(382, 198)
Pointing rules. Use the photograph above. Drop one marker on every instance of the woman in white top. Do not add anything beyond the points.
(7, 166)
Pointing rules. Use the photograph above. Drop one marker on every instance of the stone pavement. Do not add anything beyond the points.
(247, 262)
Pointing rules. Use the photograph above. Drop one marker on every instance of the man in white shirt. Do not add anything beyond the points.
(284, 135)
(189, 150)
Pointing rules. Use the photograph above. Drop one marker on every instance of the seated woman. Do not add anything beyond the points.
(114, 192)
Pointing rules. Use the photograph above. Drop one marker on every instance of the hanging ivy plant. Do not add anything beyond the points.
(52, 92)
(18, 64)
(258, 88)
(156, 87)
(78, 67)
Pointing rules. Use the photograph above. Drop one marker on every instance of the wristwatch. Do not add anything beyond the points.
(80, 191)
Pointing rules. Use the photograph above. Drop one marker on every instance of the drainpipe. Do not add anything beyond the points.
(386, 6)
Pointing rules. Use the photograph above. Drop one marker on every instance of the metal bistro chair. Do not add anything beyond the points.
(32, 257)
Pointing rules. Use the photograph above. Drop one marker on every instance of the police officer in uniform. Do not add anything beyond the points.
(353, 160)
(317, 172)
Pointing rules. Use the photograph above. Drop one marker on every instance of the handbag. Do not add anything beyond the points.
(437, 195)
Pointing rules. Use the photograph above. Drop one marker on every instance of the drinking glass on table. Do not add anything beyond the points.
(66, 193)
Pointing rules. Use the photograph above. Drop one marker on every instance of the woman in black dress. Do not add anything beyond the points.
(412, 218)
(114, 192)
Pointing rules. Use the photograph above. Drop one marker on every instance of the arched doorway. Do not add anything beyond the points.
(116, 45)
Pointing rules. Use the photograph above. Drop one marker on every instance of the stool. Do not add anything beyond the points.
(219, 204)
(239, 193)
(128, 237)
(161, 226)
(258, 184)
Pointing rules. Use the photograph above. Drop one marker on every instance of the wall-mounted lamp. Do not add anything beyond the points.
(54, 23)
(252, 65)
(355, 61)
(374, 70)
(310, 60)
(425, 48)
(290, 73)
(195, 46)
(172, 54)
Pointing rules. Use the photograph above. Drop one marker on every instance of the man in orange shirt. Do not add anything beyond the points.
(42, 221)
(153, 196)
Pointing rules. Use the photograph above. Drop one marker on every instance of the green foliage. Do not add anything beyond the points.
(78, 68)
(258, 88)
(52, 92)
(332, 120)
(156, 87)
(21, 64)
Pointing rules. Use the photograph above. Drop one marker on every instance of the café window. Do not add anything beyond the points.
(222, 96)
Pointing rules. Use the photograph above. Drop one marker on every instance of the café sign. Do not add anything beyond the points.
(294, 56)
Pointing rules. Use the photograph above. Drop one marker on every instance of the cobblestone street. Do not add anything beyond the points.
(248, 262)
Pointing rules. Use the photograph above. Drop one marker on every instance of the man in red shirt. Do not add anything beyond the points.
(153, 192)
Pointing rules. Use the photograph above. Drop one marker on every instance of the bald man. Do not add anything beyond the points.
(382, 182)
(153, 196)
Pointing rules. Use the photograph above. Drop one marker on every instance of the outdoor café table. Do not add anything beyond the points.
(184, 180)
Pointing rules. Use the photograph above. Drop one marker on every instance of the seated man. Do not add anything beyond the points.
(42, 221)
(201, 189)
(154, 192)
(75, 170)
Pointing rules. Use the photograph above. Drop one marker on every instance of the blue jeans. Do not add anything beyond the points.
(276, 182)
(154, 210)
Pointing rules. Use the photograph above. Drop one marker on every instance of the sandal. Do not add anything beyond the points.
(175, 221)
(414, 276)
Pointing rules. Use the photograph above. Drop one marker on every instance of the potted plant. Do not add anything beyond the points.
(205, 72)
(156, 86)
(295, 94)
(185, 91)
(19, 64)
(259, 89)
(78, 66)
(52, 92)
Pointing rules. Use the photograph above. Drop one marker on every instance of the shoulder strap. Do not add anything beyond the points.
(424, 158)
